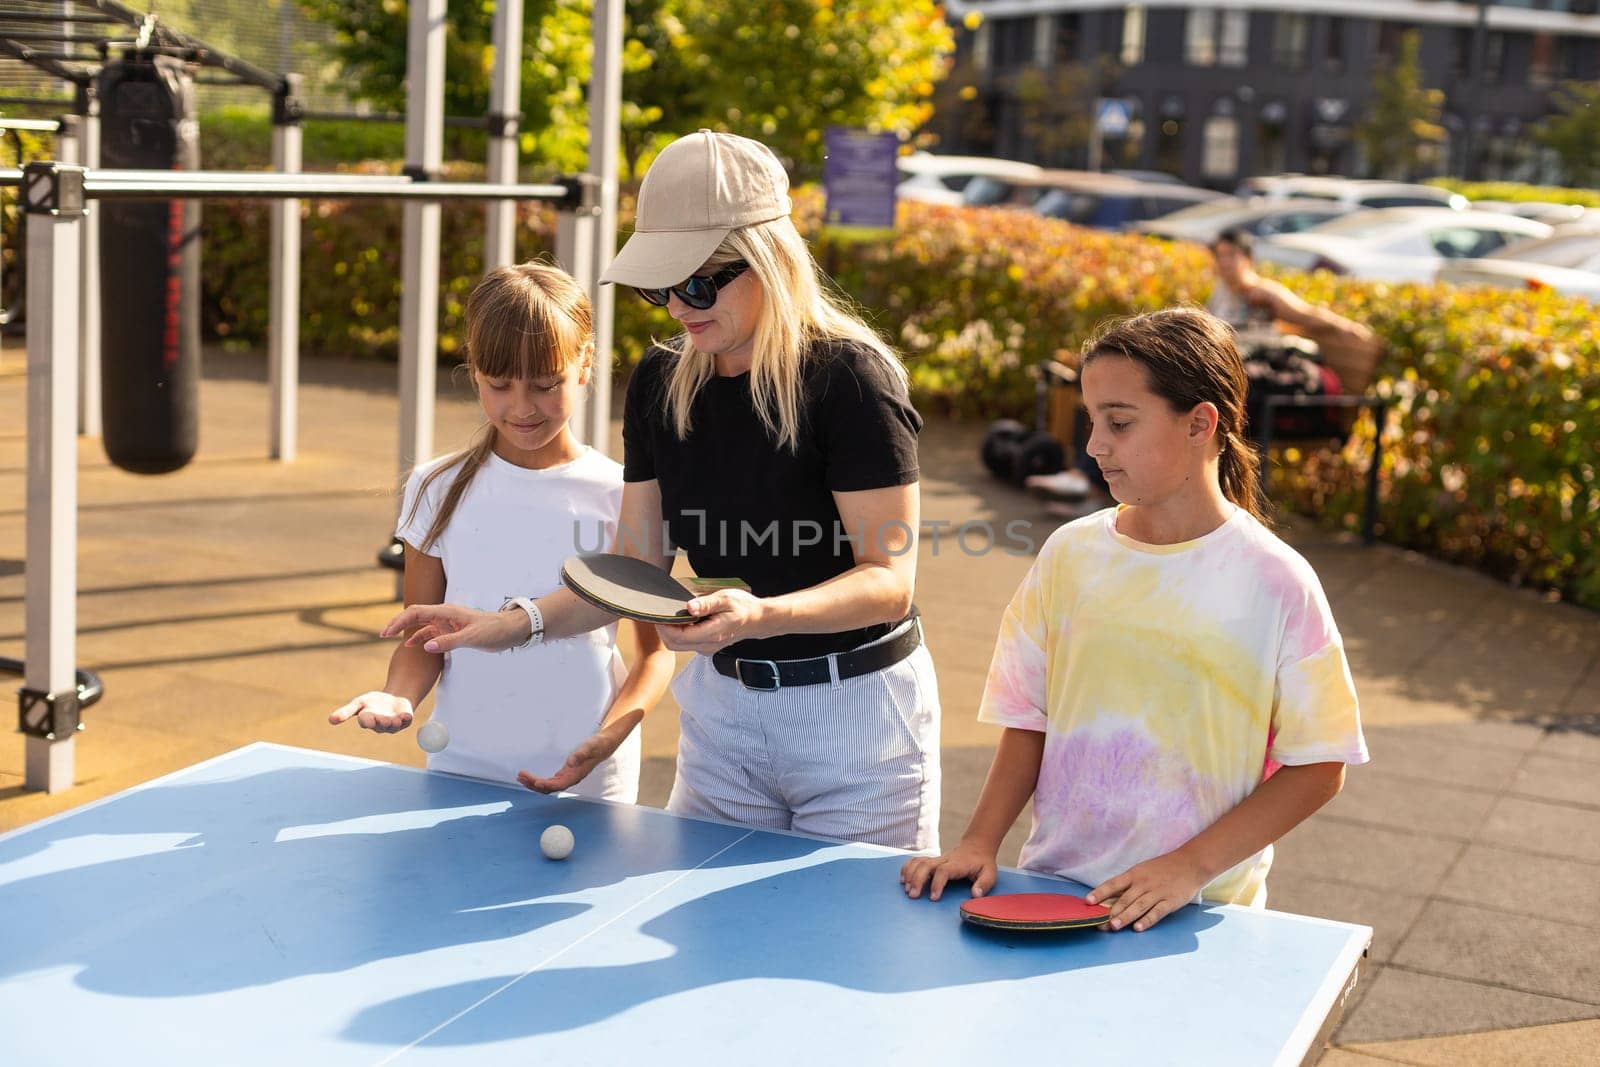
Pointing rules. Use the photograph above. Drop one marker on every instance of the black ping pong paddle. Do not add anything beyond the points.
(628, 587)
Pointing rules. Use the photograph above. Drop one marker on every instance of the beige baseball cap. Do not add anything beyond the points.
(699, 189)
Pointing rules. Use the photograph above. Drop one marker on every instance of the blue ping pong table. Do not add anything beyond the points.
(277, 905)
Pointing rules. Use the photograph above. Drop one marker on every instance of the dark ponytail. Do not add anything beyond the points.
(1190, 358)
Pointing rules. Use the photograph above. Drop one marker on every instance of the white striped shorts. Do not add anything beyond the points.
(856, 759)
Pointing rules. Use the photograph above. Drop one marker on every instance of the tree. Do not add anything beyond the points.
(1053, 111)
(370, 45)
(778, 70)
(783, 71)
(1401, 132)
(1573, 133)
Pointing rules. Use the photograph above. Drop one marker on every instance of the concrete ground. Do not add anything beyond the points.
(237, 600)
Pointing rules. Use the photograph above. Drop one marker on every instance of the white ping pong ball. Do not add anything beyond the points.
(556, 842)
(433, 737)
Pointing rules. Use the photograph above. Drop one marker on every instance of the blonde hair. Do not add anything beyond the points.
(798, 310)
(1189, 357)
(530, 320)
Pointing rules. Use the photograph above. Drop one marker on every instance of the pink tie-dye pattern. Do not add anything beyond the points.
(1016, 686)
(1115, 799)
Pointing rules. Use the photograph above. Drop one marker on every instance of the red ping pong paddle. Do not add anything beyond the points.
(1033, 911)
(628, 587)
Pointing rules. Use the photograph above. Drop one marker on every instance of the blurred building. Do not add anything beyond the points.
(1226, 90)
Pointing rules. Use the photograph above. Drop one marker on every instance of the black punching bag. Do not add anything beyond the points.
(149, 269)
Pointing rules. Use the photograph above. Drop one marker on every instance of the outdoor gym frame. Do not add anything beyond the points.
(62, 306)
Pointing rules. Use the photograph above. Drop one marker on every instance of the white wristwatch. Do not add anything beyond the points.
(535, 618)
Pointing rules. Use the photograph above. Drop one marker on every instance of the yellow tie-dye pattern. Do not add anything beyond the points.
(1156, 677)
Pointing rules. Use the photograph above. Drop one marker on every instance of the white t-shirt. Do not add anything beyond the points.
(1168, 680)
(525, 709)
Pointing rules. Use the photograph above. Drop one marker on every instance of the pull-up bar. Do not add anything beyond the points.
(247, 185)
(55, 197)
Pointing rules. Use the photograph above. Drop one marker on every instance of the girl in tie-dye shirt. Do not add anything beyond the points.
(1173, 687)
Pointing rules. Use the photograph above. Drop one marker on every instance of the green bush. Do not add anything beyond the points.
(350, 264)
(1492, 453)
(239, 137)
(1519, 192)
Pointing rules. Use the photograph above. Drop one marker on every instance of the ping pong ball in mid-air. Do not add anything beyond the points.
(433, 737)
(556, 842)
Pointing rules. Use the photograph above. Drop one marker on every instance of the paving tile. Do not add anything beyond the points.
(656, 774)
(1548, 828)
(1339, 1057)
(1370, 795)
(1461, 746)
(1389, 913)
(1504, 881)
(1556, 1045)
(1552, 778)
(1578, 740)
(1452, 755)
(1333, 849)
(1531, 954)
(1405, 1004)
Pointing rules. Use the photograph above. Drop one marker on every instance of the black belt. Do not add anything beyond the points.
(769, 674)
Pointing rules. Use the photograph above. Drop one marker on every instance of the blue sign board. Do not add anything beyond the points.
(1112, 117)
(859, 174)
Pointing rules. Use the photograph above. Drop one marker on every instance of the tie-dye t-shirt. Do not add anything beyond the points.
(1166, 679)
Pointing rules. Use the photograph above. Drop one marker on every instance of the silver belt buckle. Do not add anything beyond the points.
(771, 667)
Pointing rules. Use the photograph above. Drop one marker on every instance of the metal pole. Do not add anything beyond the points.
(1472, 166)
(505, 96)
(419, 280)
(283, 298)
(50, 585)
(605, 152)
(419, 264)
(90, 423)
(575, 249)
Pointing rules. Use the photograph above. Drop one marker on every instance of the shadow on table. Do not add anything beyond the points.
(834, 916)
(196, 887)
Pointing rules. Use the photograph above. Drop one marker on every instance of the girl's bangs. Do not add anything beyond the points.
(517, 346)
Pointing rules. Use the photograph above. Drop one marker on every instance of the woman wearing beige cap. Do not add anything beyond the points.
(773, 442)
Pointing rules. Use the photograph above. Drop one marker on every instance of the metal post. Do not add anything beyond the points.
(283, 298)
(605, 152)
(1369, 520)
(505, 95)
(419, 250)
(1472, 166)
(575, 250)
(89, 417)
(419, 294)
(52, 195)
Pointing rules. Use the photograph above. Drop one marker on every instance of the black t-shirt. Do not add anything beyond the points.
(742, 507)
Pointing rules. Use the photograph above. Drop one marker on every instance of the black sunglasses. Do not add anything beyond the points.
(698, 291)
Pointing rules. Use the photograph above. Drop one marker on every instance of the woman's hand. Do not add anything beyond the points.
(1150, 891)
(592, 752)
(721, 618)
(965, 861)
(377, 710)
(445, 627)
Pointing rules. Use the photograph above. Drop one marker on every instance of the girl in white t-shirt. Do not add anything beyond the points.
(1174, 691)
(496, 520)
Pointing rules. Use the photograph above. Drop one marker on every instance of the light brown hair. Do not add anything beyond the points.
(1189, 357)
(530, 320)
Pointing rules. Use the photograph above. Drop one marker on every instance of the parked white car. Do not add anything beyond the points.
(1540, 210)
(940, 179)
(1355, 192)
(1262, 216)
(1398, 244)
(1568, 261)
